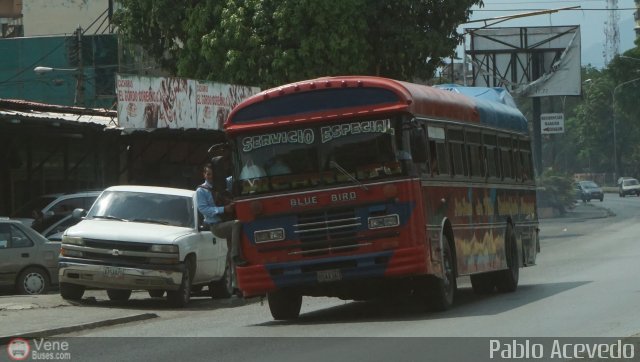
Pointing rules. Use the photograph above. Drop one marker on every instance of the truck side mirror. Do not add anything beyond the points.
(78, 213)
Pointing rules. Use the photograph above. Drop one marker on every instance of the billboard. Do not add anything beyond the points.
(529, 61)
(169, 102)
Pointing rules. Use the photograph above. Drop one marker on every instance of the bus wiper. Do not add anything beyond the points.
(108, 217)
(335, 165)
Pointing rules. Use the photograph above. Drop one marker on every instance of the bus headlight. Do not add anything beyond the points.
(265, 236)
(73, 240)
(380, 222)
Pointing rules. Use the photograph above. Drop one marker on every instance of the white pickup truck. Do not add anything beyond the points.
(142, 238)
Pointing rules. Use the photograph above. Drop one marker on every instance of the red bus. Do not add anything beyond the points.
(357, 187)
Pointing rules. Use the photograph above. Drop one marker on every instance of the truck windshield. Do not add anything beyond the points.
(144, 207)
(307, 157)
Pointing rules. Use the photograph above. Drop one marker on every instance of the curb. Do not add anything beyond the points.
(78, 327)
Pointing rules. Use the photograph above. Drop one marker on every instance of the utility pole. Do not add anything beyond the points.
(79, 96)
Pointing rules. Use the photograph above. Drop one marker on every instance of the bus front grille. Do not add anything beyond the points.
(326, 232)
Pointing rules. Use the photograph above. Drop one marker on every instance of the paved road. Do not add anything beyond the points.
(46, 315)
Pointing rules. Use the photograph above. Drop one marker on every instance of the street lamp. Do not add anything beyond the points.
(79, 94)
(42, 70)
(615, 143)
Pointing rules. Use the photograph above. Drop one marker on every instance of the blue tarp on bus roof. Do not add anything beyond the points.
(495, 105)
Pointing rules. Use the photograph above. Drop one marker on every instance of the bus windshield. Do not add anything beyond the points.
(307, 157)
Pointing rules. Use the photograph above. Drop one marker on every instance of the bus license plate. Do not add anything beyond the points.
(113, 272)
(332, 275)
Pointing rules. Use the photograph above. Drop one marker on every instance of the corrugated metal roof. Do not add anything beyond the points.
(16, 111)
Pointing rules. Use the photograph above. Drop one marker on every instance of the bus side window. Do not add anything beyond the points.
(441, 160)
(492, 162)
(418, 146)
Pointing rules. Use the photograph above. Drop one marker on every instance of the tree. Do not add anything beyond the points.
(156, 25)
(592, 125)
(270, 42)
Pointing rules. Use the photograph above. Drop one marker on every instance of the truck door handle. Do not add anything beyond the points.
(25, 255)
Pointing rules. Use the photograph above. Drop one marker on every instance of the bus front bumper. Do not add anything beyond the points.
(256, 280)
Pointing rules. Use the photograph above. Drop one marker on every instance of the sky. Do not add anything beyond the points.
(591, 17)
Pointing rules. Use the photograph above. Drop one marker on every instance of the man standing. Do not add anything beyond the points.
(218, 212)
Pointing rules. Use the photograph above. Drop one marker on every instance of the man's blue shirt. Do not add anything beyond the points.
(207, 205)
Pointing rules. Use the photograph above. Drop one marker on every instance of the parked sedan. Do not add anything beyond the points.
(28, 261)
(588, 190)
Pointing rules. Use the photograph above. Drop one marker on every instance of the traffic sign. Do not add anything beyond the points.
(552, 123)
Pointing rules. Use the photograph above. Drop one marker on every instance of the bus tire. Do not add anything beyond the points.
(483, 283)
(284, 304)
(507, 280)
(442, 290)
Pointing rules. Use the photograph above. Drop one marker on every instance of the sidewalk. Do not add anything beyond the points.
(37, 316)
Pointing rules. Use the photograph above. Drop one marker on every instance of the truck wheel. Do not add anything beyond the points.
(180, 298)
(284, 304)
(441, 291)
(71, 291)
(119, 295)
(33, 281)
(507, 280)
(222, 288)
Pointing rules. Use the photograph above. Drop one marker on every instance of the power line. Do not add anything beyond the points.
(540, 2)
(532, 9)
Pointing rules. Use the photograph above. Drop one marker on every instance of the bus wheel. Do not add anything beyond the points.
(284, 304)
(442, 290)
(507, 280)
(483, 283)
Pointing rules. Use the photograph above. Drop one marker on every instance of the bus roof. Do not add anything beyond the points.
(329, 98)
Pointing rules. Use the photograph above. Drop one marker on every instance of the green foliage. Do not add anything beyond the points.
(156, 25)
(557, 190)
(271, 42)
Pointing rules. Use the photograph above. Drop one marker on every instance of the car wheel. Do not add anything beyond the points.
(180, 298)
(119, 295)
(33, 281)
(71, 291)
(602, 199)
(156, 293)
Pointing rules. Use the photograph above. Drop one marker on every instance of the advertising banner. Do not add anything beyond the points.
(167, 102)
